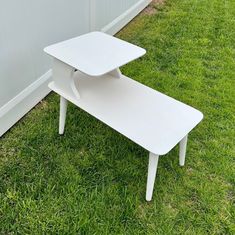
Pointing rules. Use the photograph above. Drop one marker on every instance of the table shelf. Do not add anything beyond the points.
(149, 118)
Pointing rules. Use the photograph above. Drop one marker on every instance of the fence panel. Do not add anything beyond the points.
(27, 26)
(108, 10)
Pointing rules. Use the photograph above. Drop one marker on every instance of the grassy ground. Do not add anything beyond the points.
(92, 180)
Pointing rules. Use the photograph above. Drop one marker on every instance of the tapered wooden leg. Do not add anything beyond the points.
(182, 154)
(152, 170)
(63, 110)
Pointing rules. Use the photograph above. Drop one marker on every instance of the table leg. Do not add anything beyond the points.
(63, 110)
(182, 154)
(152, 170)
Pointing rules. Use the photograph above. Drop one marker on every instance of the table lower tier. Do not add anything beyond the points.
(149, 118)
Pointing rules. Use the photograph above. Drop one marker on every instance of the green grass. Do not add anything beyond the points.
(92, 180)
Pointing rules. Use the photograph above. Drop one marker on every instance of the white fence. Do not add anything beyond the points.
(26, 27)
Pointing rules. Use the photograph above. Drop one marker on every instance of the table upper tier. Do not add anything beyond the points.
(95, 53)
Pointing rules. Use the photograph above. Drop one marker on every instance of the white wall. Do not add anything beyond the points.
(27, 26)
(103, 14)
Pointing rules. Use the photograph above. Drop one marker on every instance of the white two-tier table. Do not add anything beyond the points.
(86, 72)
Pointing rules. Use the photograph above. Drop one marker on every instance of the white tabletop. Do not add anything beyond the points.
(95, 53)
(151, 119)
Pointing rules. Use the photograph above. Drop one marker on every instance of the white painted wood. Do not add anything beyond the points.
(95, 53)
(151, 119)
(183, 147)
(152, 170)
(121, 20)
(63, 110)
(116, 73)
(63, 75)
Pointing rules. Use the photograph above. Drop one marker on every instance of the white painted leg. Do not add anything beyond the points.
(63, 110)
(182, 154)
(152, 170)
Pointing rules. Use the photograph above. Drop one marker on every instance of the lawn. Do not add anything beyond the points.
(92, 180)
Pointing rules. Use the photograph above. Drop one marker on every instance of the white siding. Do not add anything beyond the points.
(108, 10)
(27, 26)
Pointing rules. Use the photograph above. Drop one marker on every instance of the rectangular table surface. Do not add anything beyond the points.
(95, 53)
(149, 118)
